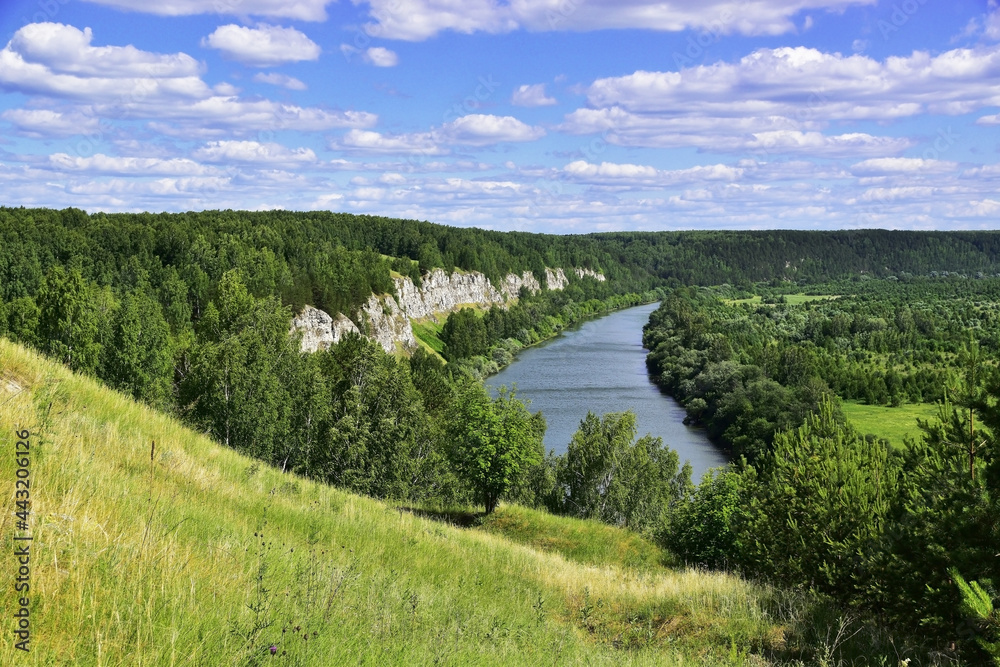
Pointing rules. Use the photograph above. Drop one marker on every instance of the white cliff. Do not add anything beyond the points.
(319, 330)
(388, 320)
(441, 293)
(555, 279)
(512, 284)
(599, 277)
(387, 324)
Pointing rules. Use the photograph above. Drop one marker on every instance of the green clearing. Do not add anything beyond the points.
(428, 334)
(893, 424)
(189, 553)
(791, 299)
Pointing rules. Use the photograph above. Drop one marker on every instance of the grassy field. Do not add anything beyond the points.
(791, 299)
(893, 424)
(185, 552)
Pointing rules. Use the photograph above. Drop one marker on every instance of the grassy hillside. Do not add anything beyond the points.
(201, 556)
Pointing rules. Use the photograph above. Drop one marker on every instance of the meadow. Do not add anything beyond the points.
(894, 424)
(152, 545)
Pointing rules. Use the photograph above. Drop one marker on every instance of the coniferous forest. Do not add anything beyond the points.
(763, 337)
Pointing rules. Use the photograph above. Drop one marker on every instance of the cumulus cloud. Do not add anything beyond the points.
(902, 165)
(263, 46)
(747, 134)
(366, 141)
(417, 20)
(781, 101)
(376, 55)
(46, 123)
(808, 83)
(381, 57)
(532, 96)
(611, 173)
(254, 152)
(471, 130)
(486, 129)
(283, 80)
(58, 60)
(128, 166)
(302, 10)
(993, 119)
(229, 114)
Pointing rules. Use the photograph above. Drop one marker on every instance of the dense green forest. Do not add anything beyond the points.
(814, 503)
(191, 314)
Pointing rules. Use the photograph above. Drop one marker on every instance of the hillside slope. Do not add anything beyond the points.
(188, 553)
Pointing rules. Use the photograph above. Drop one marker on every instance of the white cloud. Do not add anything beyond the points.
(740, 134)
(376, 55)
(902, 165)
(263, 46)
(532, 96)
(57, 60)
(303, 10)
(486, 129)
(993, 119)
(611, 173)
(381, 57)
(417, 20)
(471, 130)
(807, 83)
(283, 80)
(253, 152)
(44, 123)
(366, 141)
(131, 166)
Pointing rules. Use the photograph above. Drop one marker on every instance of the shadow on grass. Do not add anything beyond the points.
(459, 518)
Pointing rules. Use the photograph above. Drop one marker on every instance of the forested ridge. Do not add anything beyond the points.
(191, 313)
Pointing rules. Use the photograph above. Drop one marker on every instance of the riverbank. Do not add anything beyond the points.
(544, 329)
(600, 366)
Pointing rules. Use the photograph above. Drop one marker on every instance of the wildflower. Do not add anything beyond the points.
(274, 649)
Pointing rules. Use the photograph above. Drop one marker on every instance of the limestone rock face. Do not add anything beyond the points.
(388, 324)
(512, 284)
(319, 330)
(555, 279)
(441, 293)
(388, 320)
(599, 277)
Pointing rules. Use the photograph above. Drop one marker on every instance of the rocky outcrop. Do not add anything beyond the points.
(319, 330)
(512, 284)
(387, 324)
(388, 321)
(441, 293)
(555, 279)
(599, 277)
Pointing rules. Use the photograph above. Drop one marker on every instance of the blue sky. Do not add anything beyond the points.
(564, 116)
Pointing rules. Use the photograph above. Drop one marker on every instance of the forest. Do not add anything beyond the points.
(760, 336)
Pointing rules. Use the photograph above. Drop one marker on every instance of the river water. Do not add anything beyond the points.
(600, 366)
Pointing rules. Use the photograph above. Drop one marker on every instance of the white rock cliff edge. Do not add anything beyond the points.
(389, 321)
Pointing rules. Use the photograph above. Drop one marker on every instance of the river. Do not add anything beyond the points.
(600, 366)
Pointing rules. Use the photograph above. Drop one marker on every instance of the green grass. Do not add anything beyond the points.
(893, 424)
(188, 553)
(798, 299)
(588, 542)
(791, 299)
(428, 334)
